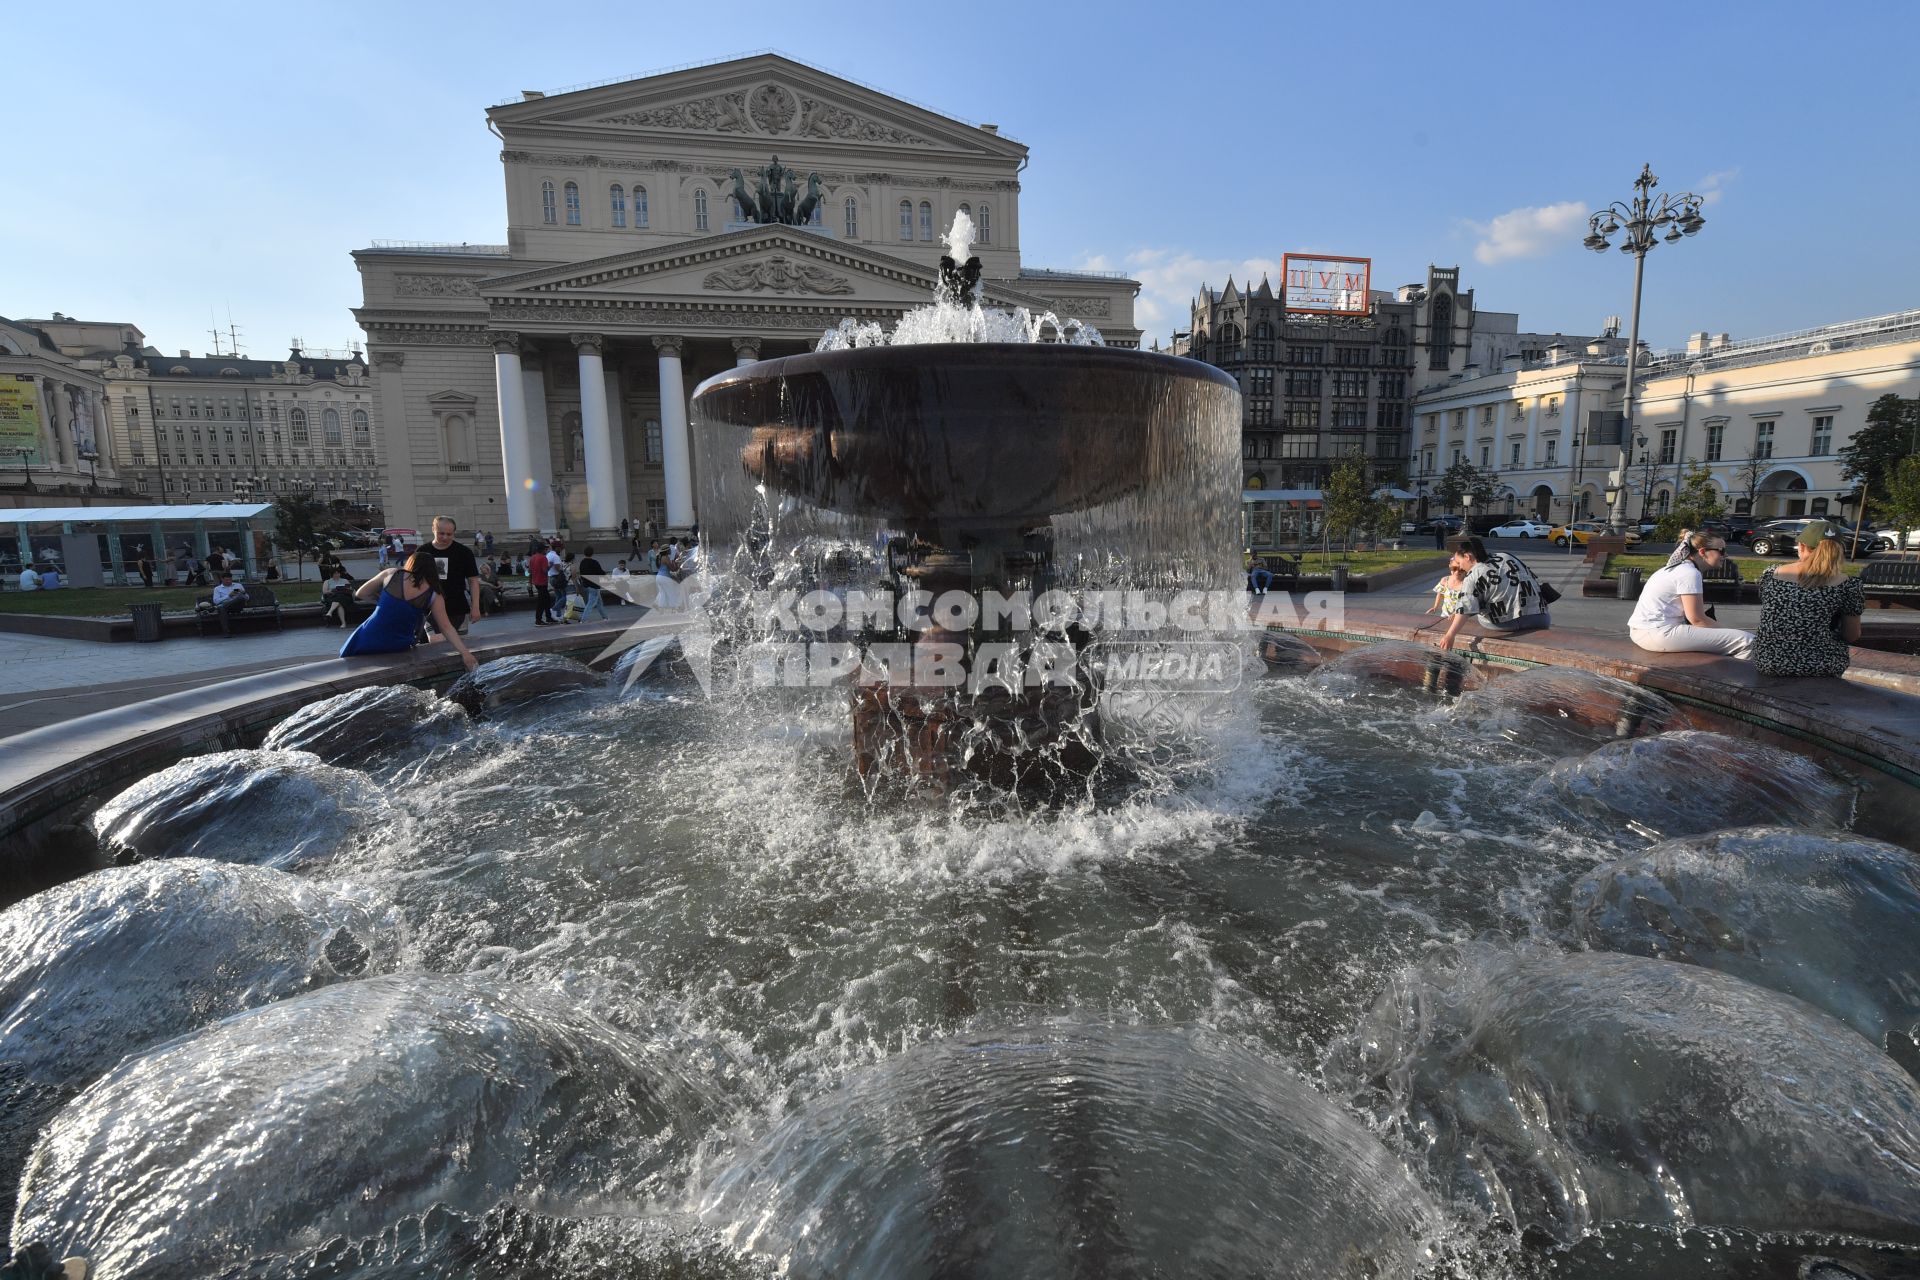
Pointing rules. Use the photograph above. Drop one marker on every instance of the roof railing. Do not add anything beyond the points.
(429, 246)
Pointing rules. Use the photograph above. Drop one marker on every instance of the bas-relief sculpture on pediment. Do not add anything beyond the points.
(420, 285)
(778, 274)
(771, 109)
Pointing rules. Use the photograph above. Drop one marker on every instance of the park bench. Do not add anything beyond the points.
(1285, 571)
(1723, 581)
(1887, 581)
(1602, 545)
(260, 604)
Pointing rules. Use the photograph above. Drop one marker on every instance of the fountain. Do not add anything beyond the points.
(1383, 966)
(970, 452)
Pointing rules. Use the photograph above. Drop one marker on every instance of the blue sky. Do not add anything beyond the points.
(171, 165)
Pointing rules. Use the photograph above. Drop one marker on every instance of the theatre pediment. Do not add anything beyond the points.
(760, 265)
(765, 98)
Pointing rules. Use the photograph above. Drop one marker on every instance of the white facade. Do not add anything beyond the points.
(1767, 417)
(54, 437)
(542, 384)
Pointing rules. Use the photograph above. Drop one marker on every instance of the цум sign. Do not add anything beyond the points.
(1319, 285)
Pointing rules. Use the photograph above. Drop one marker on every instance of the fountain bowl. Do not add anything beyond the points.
(965, 436)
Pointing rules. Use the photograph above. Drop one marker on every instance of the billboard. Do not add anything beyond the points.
(1322, 285)
(19, 418)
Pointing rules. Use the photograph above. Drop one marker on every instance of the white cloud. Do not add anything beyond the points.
(1712, 187)
(1170, 279)
(1529, 232)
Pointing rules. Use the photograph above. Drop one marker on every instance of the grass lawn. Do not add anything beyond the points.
(111, 602)
(1750, 566)
(1362, 562)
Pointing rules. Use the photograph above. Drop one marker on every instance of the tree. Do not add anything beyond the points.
(1348, 499)
(1697, 502)
(1747, 478)
(296, 526)
(1891, 433)
(1462, 480)
(1901, 504)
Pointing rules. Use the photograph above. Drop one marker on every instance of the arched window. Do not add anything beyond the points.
(967, 209)
(549, 214)
(453, 430)
(573, 204)
(617, 197)
(926, 220)
(1440, 332)
(361, 434)
(330, 425)
(906, 219)
(298, 421)
(639, 206)
(984, 227)
(853, 218)
(1263, 330)
(699, 211)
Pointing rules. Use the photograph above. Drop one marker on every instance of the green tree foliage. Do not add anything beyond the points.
(1891, 433)
(1348, 499)
(1901, 505)
(1697, 502)
(297, 520)
(1463, 479)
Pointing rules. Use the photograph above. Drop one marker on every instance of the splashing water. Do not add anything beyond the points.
(971, 321)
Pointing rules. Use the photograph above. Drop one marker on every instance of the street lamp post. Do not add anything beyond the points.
(93, 479)
(1642, 218)
(1646, 474)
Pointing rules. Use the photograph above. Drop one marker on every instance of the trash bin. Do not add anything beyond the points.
(1339, 577)
(146, 623)
(1627, 584)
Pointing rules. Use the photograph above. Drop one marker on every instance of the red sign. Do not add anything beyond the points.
(1318, 285)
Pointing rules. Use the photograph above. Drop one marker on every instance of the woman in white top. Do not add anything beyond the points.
(1671, 615)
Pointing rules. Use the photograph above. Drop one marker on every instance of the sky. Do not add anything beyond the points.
(191, 166)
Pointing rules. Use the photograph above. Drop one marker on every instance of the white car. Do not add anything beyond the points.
(1521, 529)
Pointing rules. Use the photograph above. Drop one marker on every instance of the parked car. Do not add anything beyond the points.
(1776, 538)
(1521, 529)
(1452, 524)
(1581, 530)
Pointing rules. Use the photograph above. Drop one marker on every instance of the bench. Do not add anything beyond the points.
(1887, 581)
(1602, 545)
(260, 604)
(1723, 581)
(1285, 571)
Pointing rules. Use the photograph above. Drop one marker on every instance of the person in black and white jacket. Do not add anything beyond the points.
(1500, 592)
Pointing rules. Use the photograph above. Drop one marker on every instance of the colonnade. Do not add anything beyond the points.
(59, 444)
(525, 449)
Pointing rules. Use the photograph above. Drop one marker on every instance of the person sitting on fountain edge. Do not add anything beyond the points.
(1499, 592)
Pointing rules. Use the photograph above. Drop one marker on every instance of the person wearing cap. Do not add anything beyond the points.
(1497, 591)
(1671, 616)
(1809, 610)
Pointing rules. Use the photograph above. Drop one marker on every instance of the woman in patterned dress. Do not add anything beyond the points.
(1809, 611)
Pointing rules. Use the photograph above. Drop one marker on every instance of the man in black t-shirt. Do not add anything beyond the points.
(459, 574)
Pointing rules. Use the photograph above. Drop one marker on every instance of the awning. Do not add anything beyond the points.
(1279, 495)
(154, 511)
(1398, 495)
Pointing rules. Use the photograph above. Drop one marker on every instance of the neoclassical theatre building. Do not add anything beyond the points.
(543, 384)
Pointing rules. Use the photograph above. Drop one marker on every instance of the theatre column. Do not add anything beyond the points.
(745, 351)
(511, 389)
(596, 433)
(676, 450)
(540, 443)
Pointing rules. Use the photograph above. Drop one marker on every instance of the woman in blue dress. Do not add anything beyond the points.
(405, 597)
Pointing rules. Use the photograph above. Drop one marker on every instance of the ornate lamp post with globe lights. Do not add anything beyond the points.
(1643, 219)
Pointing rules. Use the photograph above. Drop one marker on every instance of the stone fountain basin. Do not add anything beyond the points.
(964, 435)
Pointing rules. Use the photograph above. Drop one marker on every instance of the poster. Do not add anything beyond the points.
(19, 419)
(80, 414)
